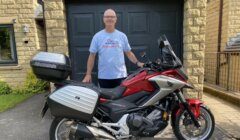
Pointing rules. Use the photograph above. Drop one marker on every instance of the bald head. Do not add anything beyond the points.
(110, 12)
(109, 19)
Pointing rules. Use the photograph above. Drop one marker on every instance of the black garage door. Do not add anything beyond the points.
(143, 22)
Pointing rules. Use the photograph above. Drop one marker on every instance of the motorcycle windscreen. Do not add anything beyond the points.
(168, 54)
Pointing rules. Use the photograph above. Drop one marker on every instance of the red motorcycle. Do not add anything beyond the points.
(141, 106)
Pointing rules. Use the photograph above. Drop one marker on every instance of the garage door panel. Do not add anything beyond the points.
(84, 24)
(139, 39)
(80, 56)
(81, 41)
(166, 21)
(79, 61)
(81, 33)
(138, 23)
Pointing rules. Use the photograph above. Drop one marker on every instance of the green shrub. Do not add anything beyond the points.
(32, 85)
(4, 88)
(18, 91)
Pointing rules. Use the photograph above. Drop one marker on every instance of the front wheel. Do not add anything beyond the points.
(184, 128)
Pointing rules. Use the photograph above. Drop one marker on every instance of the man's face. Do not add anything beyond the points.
(109, 18)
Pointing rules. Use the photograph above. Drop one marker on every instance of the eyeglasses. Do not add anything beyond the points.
(109, 16)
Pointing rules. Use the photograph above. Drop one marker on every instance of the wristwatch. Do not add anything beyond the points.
(137, 62)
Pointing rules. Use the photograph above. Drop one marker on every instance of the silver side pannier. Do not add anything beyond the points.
(73, 102)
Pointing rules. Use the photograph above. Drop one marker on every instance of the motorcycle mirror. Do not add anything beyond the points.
(143, 54)
(161, 43)
(158, 61)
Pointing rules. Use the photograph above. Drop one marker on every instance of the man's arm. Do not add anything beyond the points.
(133, 59)
(90, 65)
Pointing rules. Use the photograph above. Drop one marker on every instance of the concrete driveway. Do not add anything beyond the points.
(25, 123)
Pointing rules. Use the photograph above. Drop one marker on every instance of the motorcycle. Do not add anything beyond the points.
(142, 106)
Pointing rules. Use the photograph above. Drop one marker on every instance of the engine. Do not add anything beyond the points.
(146, 125)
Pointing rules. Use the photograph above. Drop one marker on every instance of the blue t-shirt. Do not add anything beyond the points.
(110, 48)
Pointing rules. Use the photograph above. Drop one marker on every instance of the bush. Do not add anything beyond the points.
(4, 88)
(32, 85)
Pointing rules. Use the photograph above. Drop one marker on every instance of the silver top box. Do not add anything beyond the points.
(50, 57)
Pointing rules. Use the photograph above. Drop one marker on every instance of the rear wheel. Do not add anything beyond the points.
(60, 129)
(184, 128)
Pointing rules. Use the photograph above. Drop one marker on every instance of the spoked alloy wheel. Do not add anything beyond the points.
(186, 130)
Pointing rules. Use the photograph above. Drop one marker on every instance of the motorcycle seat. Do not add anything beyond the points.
(107, 93)
(112, 93)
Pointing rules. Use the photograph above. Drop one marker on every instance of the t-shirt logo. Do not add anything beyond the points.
(111, 44)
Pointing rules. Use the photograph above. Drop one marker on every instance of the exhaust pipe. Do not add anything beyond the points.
(100, 133)
(83, 131)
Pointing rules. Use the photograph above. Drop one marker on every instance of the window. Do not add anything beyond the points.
(8, 55)
(233, 44)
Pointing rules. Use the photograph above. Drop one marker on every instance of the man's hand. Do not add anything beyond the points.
(87, 78)
(133, 59)
(140, 64)
(90, 64)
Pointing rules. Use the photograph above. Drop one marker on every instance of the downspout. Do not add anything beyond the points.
(219, 41)
(51, 87)
(46, 49)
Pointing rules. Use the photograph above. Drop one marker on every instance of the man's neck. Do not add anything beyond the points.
(110, 29)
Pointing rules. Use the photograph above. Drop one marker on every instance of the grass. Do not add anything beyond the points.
(10, 100)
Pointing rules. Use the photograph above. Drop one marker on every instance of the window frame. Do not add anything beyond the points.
(233, 48)
(13, 62)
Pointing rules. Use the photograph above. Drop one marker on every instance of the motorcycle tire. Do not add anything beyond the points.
(208, 117)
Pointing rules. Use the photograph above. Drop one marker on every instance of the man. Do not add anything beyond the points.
(110, 44)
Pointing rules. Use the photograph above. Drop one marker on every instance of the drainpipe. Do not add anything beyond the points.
(44, 26)
(219, 41)
(50, 85)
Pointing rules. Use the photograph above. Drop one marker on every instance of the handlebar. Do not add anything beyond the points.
(161, 66)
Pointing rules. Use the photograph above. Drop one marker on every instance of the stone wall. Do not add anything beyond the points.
(56, 26)
(194, 43)
(230, 23)
(234, 18)
(225, 24)
(212, 25)
(230, 27)
(41, 37)
(23, 12)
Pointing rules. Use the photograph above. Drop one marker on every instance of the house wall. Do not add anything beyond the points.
(41, 36)
(23, 12)
(234, 18)
(230, 23)
(230, 27)
(233, 30)
(194, 43)
(56, 26)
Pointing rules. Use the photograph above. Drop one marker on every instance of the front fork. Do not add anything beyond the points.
(186, 106)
